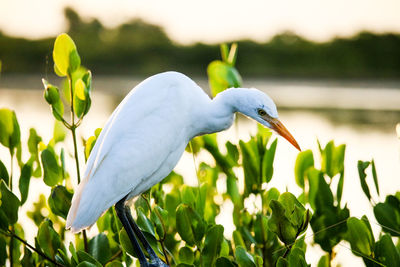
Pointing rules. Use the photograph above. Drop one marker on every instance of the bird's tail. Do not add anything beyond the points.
(73, 210)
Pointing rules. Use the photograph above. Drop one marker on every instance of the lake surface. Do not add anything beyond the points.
(363, 115)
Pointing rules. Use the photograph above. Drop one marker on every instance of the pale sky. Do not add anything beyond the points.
(210, 21)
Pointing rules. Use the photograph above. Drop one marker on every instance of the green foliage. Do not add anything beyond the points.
(223, 74)
(9, 129)
(180, 221)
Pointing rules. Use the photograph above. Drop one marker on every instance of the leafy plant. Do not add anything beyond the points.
(180, 221)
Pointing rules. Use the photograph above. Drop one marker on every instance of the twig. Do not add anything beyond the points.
(12, 234)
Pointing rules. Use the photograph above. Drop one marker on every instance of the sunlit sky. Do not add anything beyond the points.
(210, 21)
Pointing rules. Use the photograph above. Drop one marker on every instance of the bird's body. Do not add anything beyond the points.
(146, 135)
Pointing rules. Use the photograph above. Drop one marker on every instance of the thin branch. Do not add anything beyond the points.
(12, 234)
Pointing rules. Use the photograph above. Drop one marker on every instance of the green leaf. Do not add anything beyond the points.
(333, 159)
(388, 215)
(267, 162)
(159, 217)
(9, 205)
(362, 165)
(267, 196)
(59, 132)
(212, 245)
(280, 224)
(52, 96)
(339, 189)
(186, 255)
(297, 258)
(222, 76)
(224, 262)
(359, 236)
(65, 55)
(85, 257)
(386, 252)
(24, 179)
(86, 264)
(114, 263)
(375, 176)
(304, 161)
(144, 223)
(126, 242)
(243, 258)
(3, 173)
(52, 172)
(99, 248)
(189, 224)
(60, 201)
(282, 262)
(9, 129)
(48, 239)
(324, 261)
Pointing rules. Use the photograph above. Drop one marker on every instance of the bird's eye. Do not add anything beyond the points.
(261, 112)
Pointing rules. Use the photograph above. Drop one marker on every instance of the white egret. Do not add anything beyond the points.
(145, 137)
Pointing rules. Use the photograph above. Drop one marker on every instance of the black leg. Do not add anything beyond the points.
(154, 259)
(120, 209)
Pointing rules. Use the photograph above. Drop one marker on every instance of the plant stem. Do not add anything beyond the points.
(12, 234)
(73, 130)
(10, 183)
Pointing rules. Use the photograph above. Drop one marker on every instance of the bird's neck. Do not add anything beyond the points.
(219, 113)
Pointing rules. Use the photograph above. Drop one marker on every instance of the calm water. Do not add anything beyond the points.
(361, 115)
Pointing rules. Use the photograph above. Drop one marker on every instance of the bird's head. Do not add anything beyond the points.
(260, 107)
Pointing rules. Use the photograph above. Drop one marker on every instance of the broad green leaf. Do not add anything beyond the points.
(9, 129)
(99, 248)
(304, 161)
(222, 76)
(243, 258)
(85, 257)
(386, 252)
(189, 224)
(297, 258)
(282, 262)
(9, 205)
(388, 215)
(324, 261)
(186, 255)
(24, 180)
(144, 223)
(359, 236)
(187, 196)
(3, 173)
(324, 196)
(48, 239)
(233, 190)
(80, 88)
(33, 146)
(65, 55)
(362, 166)
(59, 132)
(267, 196)
(126, 242)
(212, 245)
(333, 159)
(52, 172)
(60, 201)
(280, 224)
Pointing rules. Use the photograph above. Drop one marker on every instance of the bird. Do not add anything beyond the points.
(144, 138)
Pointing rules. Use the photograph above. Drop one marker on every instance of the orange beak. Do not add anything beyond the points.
(278, 127)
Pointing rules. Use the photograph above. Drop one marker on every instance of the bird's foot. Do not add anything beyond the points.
(157, 263)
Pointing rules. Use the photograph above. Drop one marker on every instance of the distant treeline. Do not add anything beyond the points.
(140, 48)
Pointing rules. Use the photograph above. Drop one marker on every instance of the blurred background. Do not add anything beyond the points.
(332, 67)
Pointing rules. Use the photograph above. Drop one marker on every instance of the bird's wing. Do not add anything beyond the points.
(134, 148)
